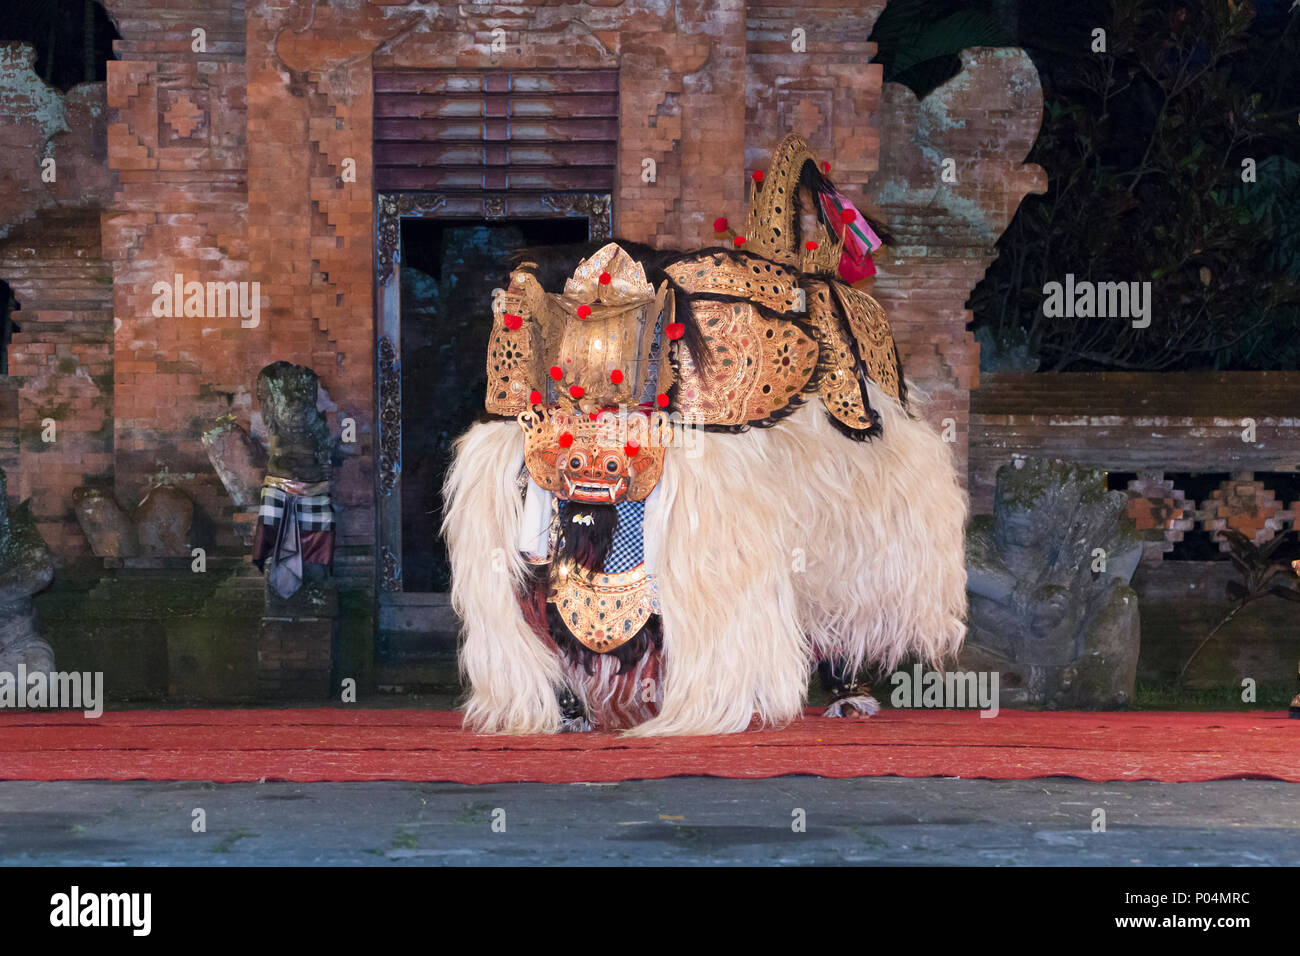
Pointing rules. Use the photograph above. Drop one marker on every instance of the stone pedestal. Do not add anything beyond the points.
(295, 643)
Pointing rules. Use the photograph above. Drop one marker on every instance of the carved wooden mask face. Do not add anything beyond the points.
(619, 456)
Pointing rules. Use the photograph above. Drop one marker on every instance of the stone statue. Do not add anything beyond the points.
(1050, 605)
(294, 537)
(238, 459)
(26, 568)
(301, 445)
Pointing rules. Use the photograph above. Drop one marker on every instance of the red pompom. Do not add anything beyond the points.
(826, 168)
(848, 215)
(616, 376)
(577, 391)
(584, 311)
(512, 322)
(534, 397)
(758, 175)
(631, 448)
(810, 245)
(557, 373)
(604, 278)
(661, 400)
(566, 440)
(739, 240)
(720, 224)
(674, 330)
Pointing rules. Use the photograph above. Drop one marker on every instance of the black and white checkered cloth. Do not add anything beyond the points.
(315, 512)
(627, 551)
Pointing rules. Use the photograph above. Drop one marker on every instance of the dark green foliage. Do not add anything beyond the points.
(918, 40)
(1144, 146)
(1259, 572)
(1261, 576)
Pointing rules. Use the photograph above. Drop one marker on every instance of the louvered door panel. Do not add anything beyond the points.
(503, 132)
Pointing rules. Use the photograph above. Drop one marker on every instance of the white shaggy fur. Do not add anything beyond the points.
(775, 546)
(511, 673)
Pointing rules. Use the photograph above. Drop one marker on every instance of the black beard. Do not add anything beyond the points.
(587, 545)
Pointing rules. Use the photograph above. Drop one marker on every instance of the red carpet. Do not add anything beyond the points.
(338, 744)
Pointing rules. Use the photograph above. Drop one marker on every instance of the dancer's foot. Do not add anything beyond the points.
(857, 703)
(573, 719)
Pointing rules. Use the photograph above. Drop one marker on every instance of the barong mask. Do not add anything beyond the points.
(616, 457)
(672, 612)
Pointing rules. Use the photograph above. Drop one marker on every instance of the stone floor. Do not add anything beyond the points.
(677, 821)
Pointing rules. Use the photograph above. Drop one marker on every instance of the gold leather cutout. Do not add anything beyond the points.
(745, 277)
(759, 365)
(514, 359)
(838, 386)
(604, 611)
(875, 340)
(770, 224)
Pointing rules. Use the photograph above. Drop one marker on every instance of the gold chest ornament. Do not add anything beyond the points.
(604, 611)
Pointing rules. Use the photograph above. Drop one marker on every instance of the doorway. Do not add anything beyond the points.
(438, 263)
(449, 269)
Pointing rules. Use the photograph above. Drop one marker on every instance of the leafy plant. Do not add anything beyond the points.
(1144, 147)
(918, 41)
(1259, 573)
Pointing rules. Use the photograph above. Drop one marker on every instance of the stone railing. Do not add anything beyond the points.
(1242, 428)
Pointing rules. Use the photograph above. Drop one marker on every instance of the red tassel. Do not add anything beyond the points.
(512, 322)
(720, 224)
(616, 376)
(739, 240)
(534, 397)
(584, 311)
(577, 391)
(631, 448)
(810, 245)
(674, 330)
(661, 400)
(604, 278)
(557, 373)
(566, 440)
(758, 175)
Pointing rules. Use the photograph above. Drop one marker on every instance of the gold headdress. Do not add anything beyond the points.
(586, 349)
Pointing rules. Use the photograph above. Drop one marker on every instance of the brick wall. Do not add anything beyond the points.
(39, 123)
(828, 90)
(61, 362)
(311, 235)
(9, 427)
(176, 146)
(984, 120)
